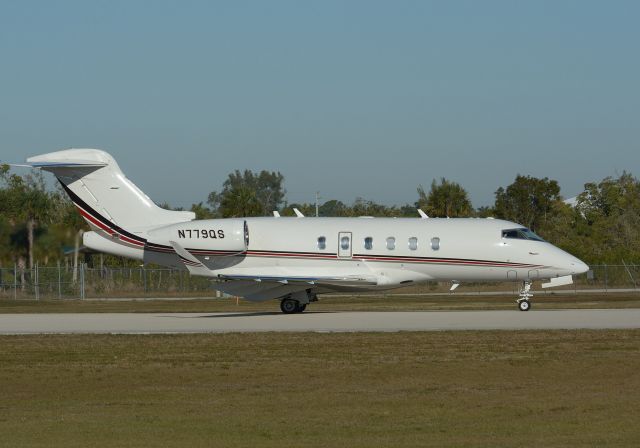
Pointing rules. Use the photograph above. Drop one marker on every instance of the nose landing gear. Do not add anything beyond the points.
(525, 294)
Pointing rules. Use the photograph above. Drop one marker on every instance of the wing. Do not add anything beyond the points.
(258, 288)
(258, 291)
(264, 287)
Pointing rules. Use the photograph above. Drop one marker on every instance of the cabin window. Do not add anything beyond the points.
(435, 243)
(413, 243)
(391, 243)
(368, 243)
(344, 243)
(322, 243)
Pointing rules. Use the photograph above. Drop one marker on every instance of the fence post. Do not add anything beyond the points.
(37, 285)
(143, 274)
(81, 281)
(59, 281)
(606, 279)
(15, 281)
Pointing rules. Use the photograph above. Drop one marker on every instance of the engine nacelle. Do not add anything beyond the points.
(225, 235)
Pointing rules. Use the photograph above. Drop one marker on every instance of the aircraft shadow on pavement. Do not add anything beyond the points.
(256, 314)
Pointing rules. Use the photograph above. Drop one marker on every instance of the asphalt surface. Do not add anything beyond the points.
(317, 322)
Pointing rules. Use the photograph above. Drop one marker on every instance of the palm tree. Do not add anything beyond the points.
(26, 200)
(447, 199)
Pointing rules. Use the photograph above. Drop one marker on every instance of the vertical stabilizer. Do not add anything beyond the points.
(95, 183)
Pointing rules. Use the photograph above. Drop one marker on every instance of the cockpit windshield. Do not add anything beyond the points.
(521, 234)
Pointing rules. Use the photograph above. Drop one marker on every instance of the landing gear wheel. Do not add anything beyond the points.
(525, 295)
(289, 306)
(301, 308)
(524, 305)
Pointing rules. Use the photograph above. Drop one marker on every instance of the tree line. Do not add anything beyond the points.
(602, 226)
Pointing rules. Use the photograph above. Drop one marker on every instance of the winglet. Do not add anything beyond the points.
(276, 214)
(191, 263)
(423, 215)
(298, 213)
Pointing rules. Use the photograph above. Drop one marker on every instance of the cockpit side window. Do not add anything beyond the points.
(521, 234)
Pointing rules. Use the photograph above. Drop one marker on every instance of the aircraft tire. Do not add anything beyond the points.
(289, 306)
(524, 305)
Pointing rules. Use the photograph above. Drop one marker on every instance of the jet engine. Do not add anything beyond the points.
(224, 235)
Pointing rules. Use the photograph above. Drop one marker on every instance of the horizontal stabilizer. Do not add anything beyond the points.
(70, 164)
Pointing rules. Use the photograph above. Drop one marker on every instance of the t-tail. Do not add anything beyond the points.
(119, 213)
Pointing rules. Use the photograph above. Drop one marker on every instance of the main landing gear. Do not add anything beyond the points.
(297, 302)
(291, 306)
(525, 294)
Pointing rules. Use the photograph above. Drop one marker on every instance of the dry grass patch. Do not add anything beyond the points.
(578, 388)
(326, 303)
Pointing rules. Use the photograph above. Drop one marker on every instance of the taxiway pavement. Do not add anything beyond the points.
(318, 321)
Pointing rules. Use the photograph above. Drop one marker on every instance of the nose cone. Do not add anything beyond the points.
(577, 266)
(564, 263)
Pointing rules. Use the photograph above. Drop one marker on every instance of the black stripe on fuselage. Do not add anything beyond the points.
(78, 201)
(388, 258)
(159, 247)
(410, 258)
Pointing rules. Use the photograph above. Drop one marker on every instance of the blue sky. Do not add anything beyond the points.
(351, 98)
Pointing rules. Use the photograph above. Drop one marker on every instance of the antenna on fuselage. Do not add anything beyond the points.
(298, 213)
(423, 215)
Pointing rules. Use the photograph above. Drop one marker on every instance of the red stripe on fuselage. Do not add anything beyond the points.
(291, 255)
(95, 221)
(382, 258)
(107, 229)
(444, 261)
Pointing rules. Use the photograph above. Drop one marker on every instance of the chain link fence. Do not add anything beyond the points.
(64, 282)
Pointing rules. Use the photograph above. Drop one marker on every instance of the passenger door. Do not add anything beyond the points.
(344, 245)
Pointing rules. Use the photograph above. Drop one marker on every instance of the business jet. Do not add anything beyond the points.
(294, 259)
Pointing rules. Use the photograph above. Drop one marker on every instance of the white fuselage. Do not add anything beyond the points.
(460, 250)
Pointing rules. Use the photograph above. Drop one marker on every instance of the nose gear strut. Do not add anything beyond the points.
(525, 295)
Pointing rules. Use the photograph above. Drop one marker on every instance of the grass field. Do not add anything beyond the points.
(563, 388)
(326, 303)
